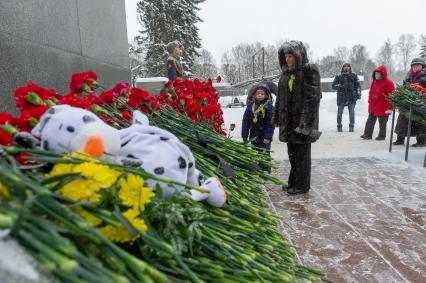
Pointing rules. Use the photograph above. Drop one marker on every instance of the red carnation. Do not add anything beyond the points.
(127, 115)
(83, 82)
(21, 124)
(72, 100)
(137, 97)
(5, 138)
(121, 88)
(107, 97)
(5, 118)
(25, 158)
(35, 112)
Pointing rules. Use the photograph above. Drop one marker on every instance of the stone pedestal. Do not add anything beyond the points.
(45, 41)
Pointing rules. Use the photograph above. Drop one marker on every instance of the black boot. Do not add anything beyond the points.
(339, 130)
(351, 129)
(420, 142)
(399, 141)
(365, 137)
(293, 191)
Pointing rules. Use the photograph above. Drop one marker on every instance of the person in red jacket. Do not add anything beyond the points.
(379, 106)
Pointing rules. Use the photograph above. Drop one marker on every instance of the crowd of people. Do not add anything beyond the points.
(296, 109)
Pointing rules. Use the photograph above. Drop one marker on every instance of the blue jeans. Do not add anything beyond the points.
(351, 108)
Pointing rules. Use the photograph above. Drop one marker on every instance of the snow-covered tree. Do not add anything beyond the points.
(229, 68)
(406, 46)
(361, 62)
(330, 66)
(422, 44)
(237, 63)
(164, 21)
(385, 56)
(205, 66)
(137, 60)
(341, 53)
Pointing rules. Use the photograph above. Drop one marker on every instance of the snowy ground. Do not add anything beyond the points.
(333, 144)
(364, 219)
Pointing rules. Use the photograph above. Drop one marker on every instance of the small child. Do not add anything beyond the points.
(257, 126)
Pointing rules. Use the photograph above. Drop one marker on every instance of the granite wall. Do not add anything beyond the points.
(45, 41)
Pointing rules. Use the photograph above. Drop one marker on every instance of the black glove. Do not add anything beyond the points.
(314, 135)
(358, 95)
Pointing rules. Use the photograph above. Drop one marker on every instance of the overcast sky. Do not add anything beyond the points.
(324, 24)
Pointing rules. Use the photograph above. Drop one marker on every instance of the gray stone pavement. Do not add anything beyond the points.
(364, 220)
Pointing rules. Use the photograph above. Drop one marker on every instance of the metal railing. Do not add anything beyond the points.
(410, 122)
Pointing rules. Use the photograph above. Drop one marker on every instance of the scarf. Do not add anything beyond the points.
(290, 82)
(259, 110)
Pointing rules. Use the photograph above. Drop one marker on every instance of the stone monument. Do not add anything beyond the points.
(45, 41)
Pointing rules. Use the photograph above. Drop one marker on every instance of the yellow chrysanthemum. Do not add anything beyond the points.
(133, 193)
(102, 174)
(60, 168)
(121, 234)
(82, 190)
(88, 216)
(4, 191)
(83, 156)
(98, 177)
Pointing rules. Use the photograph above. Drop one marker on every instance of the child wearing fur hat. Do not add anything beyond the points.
(257, 125)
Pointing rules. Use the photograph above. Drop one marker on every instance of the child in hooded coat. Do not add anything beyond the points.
(257, 125)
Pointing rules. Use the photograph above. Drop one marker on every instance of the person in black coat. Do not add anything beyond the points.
(257, 125)
(296, 112)
(417, 74)
(348, 92)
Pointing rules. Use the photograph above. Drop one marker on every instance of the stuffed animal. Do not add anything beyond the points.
(65, 129)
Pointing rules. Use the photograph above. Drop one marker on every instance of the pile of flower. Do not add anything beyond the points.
(93, 182)
(414, 96)
(197, 100)
(92, 224)
(70, 219)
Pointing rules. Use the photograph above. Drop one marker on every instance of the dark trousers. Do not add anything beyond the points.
(351, 108)
(371, 122)
(265, 149)
(417, 129)
(300, 161)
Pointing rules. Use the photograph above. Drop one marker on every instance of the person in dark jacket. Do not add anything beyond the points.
(174, 65)
(296, 112)
(417, 74)
(379, 106)
(348, 92)
(257, 125)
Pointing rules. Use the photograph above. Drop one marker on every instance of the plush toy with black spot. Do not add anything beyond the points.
(66, 129)
(160, 152)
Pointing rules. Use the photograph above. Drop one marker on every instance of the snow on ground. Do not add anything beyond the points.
(16, 266)
(332, 143)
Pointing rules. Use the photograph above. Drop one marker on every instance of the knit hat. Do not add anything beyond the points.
(418, 60)
(172, 45)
